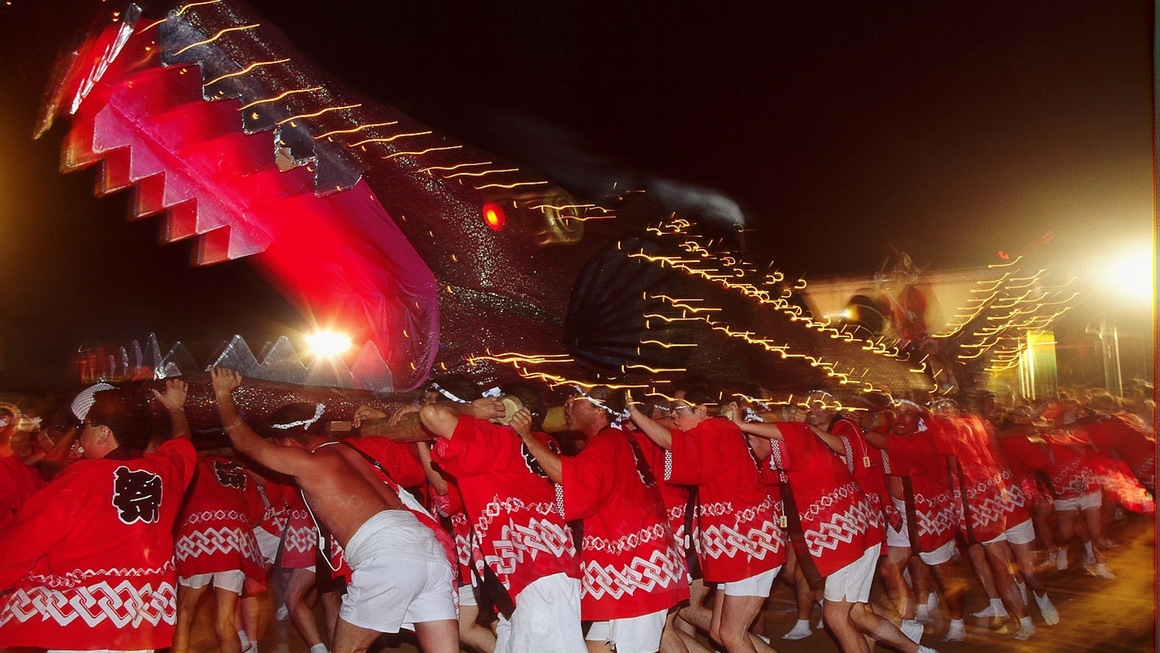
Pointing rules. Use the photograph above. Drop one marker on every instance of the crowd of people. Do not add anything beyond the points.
(644, 523)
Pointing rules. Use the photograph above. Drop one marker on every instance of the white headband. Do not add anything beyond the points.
(438, 388)
(617, 418)
(319, 409)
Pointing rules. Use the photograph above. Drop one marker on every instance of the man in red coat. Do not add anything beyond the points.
(401, 576)
(930, 512)
(216, 548)
(742, 547)
(88, 561)
(527, 560)
(633, 569)
(842, 532)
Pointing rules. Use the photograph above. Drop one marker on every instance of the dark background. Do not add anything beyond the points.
(950, 130)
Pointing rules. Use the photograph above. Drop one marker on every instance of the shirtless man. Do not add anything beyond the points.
(401, 574)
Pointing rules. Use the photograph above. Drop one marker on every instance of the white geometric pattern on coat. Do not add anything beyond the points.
(78, 576)
(936, 523)
(721, 540)
(842, 527)
(126, 605)
(987, 501)
(218, 540)
(216, 515)
(302, 540)
(514, 541)
(663, 570)
(1072, 479)
(626, 543)
(1014, 497)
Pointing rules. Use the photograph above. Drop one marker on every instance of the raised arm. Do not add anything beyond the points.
(549, 460)
(402, 426)
(173, 399)
(647, 425)
(280, 459)
(441, 418)
(832, 441)
(877, 440)
(767, 430)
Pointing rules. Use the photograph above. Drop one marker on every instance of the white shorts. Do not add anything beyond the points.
(233, 580)
(758, 585)
(939, 555)
(852, 582)
(400, 577)
(633, 635)
(1022, 533)
(1001, 537)
(546, 619)
(1084, 502)
(467, 595)
(268, 544)
(898, 539)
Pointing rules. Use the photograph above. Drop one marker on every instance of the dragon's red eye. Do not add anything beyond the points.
(493, 216)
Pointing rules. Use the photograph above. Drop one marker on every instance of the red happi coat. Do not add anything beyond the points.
(88, 560)
(1015, 446)
(866, 464)
(18, 482)
(450, 507)
(300, 545)
(1061, 457)
(275, 513)
(679, 505)
(215, 529)
(739, 517)
(983, 514)
(1119, 435)
(399, 459)
(916, 457)
(510, 503)
(838, 520)
(632, 566)
(1018, 498)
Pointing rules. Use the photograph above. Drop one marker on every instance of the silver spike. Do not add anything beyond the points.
(280, 362)
(178, 359)
(138, 360)
(237, 356)
(370, 371)
(329, 372)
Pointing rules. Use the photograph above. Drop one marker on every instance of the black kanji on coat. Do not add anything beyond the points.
(230, 474)
(136, 495)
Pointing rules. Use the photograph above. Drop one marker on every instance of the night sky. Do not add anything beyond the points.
(950, 130)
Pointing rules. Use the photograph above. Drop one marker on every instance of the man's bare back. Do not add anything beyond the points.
(340, 487)
(344, 492)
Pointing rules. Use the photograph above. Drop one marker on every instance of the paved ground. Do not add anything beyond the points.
(1116, 616)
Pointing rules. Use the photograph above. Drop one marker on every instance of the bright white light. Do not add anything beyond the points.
(1132, 273)
(326, 344)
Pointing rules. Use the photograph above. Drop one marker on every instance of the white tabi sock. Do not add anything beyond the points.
(1026, 629)
(800, 630)
(319, 648)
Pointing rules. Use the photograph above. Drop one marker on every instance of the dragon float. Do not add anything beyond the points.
(441, 257)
